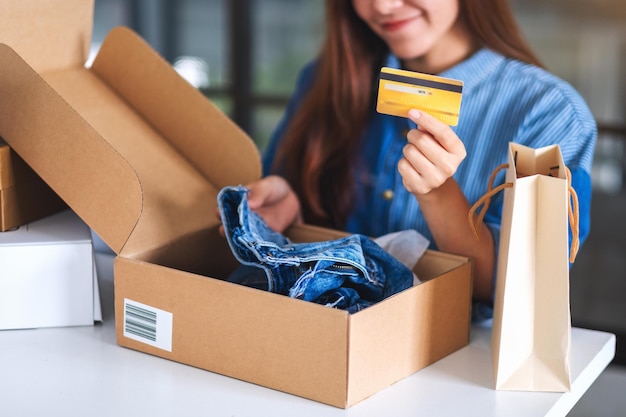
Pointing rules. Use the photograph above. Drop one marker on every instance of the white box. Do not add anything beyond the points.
(47, 274)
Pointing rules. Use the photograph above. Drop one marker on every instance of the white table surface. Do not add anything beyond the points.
(80, 371)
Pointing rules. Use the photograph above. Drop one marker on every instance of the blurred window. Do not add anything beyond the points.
(584, 42)
(244, 55)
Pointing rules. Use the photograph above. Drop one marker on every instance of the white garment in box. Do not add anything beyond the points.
(48, 275)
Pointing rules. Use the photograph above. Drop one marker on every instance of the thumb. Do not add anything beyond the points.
(259, 192)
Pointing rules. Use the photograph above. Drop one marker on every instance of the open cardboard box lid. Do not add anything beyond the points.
(53, 37)
(138, 184)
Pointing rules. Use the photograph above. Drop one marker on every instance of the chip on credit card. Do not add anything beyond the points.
(401, 90)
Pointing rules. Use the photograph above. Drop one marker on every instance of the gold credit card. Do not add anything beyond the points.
(401, 90)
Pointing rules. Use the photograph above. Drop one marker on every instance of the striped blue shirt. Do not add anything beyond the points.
(504, 101)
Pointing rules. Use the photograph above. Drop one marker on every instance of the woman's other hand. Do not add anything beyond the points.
(274, 200)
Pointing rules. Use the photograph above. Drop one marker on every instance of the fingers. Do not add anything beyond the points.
(267, 191)
(219, 218)
(432, 154)
(439, 130)
(422, 145)
(420, 176)
(426, 154)
(412, 179)
(274, 200)
(257, 193)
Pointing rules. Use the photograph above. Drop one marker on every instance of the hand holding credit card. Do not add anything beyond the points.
(401, 90)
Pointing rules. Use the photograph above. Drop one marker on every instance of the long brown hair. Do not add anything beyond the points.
(318, 152)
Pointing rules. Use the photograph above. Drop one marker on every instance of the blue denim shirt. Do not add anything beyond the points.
(349, 273)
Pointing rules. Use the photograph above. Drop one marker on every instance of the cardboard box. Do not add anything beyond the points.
(140, 155)
(24, 197)
(47, 274)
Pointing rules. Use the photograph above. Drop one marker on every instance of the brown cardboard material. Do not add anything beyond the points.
(24, 197)
(140, 155)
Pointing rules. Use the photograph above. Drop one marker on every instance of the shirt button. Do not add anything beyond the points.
(388, 194)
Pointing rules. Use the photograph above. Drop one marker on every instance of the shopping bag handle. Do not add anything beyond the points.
(485, 200)
(574, 219)
(476, 218)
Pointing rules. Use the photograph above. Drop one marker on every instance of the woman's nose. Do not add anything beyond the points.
(386, 6)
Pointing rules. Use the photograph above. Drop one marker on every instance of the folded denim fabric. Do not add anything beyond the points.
(350, 273)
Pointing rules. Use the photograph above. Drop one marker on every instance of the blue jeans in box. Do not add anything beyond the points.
(350, 273)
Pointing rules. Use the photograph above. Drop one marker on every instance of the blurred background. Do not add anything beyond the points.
(245, 56)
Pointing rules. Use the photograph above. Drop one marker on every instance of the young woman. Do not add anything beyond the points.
(334, 161)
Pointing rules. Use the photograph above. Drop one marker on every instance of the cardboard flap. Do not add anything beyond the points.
(132, 147)
(6, 173)
(67, 152)
(191, 124)
(49, 35)
(183, 148)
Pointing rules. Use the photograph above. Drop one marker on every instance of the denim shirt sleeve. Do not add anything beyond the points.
(303, 85)
(564, 119)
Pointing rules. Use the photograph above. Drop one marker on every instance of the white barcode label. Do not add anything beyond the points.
(147, 324)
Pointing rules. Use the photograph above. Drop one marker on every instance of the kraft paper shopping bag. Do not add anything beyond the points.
(531, 332)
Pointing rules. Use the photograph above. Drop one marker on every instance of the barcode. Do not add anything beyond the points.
(140, 322)
(148, 324)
